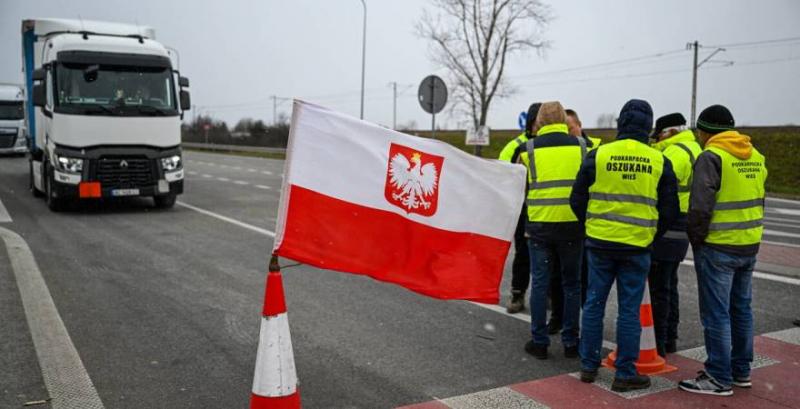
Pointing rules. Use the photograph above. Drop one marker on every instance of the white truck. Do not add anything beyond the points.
(104, 112)
(13, 137)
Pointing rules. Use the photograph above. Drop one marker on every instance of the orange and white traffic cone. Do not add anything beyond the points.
(275, 379)
(649, 362)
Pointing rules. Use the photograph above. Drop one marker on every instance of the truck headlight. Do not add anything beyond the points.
(71, 165)
(171, 163)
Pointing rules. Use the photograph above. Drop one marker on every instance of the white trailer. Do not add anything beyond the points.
(13, 136)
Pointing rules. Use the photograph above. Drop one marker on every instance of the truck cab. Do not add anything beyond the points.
(13, 136)
(104, 112)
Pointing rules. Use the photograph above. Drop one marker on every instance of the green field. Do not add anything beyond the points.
(780, 145)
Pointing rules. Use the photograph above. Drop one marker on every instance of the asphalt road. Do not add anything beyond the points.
(163, 307)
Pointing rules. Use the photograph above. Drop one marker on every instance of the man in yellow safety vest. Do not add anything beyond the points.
(627, 193)
(726, 208)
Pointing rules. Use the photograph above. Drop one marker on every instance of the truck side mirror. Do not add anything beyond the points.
(39, 74)
(186, 101)
(40, 95)
(183, 82)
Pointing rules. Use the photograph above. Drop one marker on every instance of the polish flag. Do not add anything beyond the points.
(362, 199)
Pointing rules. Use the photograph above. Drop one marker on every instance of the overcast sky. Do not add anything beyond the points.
(238, 53)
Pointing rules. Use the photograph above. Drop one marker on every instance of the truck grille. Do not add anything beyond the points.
(125, 172)
(8, 136)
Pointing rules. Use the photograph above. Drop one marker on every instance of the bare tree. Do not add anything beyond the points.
(474, 39)
(606, 120)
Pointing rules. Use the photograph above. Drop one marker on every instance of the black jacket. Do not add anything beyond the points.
(667, 205)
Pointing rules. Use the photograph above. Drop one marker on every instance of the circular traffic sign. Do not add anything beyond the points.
(432, 94)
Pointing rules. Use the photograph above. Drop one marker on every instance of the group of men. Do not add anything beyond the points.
(627, 211)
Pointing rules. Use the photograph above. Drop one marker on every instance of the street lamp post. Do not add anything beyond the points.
(363, 55)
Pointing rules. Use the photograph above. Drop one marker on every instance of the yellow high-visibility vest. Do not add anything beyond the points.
(739, 210)
(682, 150)
(551, 173)
(507, 154)
(623, 198)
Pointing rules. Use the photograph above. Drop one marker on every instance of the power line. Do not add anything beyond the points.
(605, 64)
(751, 43)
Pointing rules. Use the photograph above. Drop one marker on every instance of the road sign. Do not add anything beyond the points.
(478, 136)
(522, 120)
(432, 94)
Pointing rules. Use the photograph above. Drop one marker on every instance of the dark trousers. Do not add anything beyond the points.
(543, 256)
(521, 265)
(556, 291)
(665, 302)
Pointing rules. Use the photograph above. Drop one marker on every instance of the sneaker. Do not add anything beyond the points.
(742, 382)
(588, 376)
(571, 352)
(553, 327)
(705, 384)
(539, 351)
(516, 303)
(631, 384)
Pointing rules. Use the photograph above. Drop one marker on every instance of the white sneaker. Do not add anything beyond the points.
(705, 384)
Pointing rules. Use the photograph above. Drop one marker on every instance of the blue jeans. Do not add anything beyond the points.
(724, 283)
(565, 255)
(630, 272)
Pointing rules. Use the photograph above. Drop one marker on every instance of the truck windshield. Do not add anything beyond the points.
(92, 89)
(11, 110)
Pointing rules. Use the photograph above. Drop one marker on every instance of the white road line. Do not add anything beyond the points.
(223, 179)
(241, 182)
(266, 172)
(263, 187)
(206, 175)
(780, 243)
(761, 275)
(65, 377)
(775, 199)
(252, 170)
(790, 212)
(527, 318)
(228, 219)
(4, 216)
(769, 232)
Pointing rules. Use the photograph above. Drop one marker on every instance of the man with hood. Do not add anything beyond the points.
(627, 194)
(726, 208)
(555, 236)
(679, 146)
(520, 266)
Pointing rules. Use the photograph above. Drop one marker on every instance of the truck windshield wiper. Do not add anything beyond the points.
(152, 110)
(99, 109)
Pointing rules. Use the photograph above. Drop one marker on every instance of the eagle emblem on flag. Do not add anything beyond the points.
(412, 180)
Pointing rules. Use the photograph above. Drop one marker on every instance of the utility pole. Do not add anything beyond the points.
(695, 66)
(274, 110)
(694, 45)
(394, 105)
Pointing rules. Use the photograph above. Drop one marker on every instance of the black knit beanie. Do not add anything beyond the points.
(533, 111)
(715, 119)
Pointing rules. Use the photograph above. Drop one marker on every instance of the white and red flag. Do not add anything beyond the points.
(417, 212)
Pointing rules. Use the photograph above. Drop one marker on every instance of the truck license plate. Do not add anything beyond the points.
(125, 192)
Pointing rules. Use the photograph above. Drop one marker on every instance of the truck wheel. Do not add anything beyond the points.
(165, 202)
(54, 203)
(32, 186)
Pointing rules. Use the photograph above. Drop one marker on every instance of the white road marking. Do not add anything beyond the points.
(206, 175)
(761, 275)
(228, 219)
(780, 243)
(241, 182)
(769, 232)
(4, 216)
(527, 318)
(790, 212)
(266, 172)
(223, 179)
(65, 377)
(775, 199)
(263, 187)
